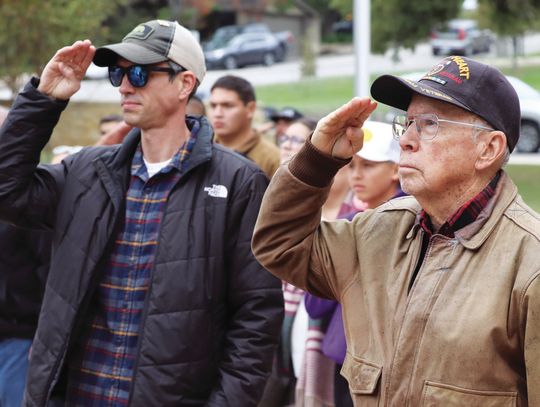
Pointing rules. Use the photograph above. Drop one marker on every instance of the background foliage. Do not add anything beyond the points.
(31, 31)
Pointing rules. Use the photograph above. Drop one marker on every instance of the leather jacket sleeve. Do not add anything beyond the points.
(291, 241)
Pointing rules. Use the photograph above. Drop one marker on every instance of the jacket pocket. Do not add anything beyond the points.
(438, 394)
(362, 375)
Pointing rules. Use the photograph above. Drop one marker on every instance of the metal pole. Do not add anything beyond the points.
(362, 46)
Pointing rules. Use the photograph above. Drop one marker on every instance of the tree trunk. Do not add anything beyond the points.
(514, 52)
(309, 57)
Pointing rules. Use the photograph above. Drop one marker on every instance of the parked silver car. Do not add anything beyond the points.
(529, 100)
(460, 37)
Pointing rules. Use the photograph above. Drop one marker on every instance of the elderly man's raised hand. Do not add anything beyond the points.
(62, 76)
(340, 133)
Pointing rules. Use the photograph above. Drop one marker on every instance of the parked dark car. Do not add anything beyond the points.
(256, 48)
(342, 27)
(461, 37)
(285, 38)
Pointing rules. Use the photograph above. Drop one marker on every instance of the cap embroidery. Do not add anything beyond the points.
(463, 67)
(438, 68)
(450, 75)
(428, 91)
(435, 79)
(141, 32)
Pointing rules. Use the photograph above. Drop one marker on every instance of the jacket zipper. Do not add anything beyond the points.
(390, 375)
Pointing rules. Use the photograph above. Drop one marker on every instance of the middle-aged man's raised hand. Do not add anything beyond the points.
(62, 76)
(340, 133)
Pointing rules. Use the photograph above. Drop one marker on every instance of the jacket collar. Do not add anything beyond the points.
(121, 157)
(475, 234)
(248, 144)
(114, 165)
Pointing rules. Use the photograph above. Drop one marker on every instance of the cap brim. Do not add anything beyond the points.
(398, 92)
(108, 55)
(374, 158)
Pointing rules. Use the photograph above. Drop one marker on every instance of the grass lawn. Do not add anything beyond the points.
(314, 97)
(527, 179)
(317, 97)
(528, 74)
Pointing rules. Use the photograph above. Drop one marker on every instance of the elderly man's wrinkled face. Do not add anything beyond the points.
(444, 165)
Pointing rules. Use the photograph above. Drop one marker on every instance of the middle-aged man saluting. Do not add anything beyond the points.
(441, 290)
(154, 297)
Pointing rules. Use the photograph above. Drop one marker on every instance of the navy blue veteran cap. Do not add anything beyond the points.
(153, 42)
(463, 82)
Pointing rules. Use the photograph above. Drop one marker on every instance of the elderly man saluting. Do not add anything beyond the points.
(440, 290)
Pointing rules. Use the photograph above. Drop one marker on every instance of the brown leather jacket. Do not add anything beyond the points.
(467, 333)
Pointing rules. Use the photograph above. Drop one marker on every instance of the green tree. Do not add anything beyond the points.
(510, 18)
(31, 31)
(345, 7)
(396, 23)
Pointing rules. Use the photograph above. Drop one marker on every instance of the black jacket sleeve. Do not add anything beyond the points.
(28, 193)
(255, 303)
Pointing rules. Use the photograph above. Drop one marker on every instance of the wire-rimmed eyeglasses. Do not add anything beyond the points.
(283, 138)
(427, 125)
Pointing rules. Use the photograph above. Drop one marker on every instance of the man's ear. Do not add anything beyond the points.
(251, 107)
(186, 84)
(395, 172)
(491, 149)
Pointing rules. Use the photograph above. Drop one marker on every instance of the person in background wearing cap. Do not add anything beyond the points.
(440, 290)
(231, 109)
(283, 119)
(154, 297)
(373, 178)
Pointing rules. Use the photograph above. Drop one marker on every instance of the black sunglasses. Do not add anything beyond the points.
(137, 74)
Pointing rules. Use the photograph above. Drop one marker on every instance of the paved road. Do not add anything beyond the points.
(527, 159)
(420, 59)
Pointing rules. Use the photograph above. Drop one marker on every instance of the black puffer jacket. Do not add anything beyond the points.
(24, 264)
(212, 313)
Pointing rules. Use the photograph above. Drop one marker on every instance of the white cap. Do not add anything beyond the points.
(379, 145)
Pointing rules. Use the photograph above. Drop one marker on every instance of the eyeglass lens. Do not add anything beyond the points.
(137, 75)
(426, 126)
(294, 139)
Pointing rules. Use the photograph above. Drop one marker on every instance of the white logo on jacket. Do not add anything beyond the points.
(217, 191)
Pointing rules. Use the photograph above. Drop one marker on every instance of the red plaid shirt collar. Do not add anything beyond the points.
(464, 215)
